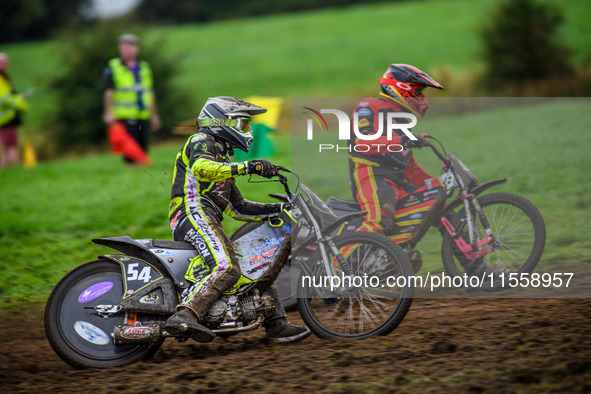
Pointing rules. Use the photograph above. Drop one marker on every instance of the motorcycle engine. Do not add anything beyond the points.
(231, 311)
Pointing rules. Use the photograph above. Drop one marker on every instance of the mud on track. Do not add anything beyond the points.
(510, 345)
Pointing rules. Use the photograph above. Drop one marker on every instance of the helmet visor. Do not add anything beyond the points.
(242, 123)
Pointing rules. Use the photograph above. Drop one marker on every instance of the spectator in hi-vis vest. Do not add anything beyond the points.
(129, 95)
(12, 105)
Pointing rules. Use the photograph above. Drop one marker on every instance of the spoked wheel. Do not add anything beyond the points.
(82, 337)
(370, 303)
(518, 229)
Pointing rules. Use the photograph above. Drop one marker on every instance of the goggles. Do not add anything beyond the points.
(241, 123)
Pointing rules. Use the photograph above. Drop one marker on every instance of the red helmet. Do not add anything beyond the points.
(404, 84)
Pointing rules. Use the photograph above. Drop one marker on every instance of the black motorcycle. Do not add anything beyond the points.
(112, 311)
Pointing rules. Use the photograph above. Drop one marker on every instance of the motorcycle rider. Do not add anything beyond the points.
(203, 190)
(381, 178)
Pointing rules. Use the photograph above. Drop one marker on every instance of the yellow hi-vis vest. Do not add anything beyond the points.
(125, 99)
(10, 103)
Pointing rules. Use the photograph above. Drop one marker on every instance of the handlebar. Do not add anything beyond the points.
(425, 137)
(283, 179)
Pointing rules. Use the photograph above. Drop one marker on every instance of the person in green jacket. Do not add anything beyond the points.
(128, 93)
(12, 106)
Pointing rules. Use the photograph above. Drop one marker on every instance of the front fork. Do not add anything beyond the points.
(329, 263)
(474, 248)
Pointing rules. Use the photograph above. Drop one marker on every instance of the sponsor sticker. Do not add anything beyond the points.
(270, 241)
(263, 255)
(364, 111)
(255, 269)
(363, 123)
(91, 333)
(94, 291)
(136, 332)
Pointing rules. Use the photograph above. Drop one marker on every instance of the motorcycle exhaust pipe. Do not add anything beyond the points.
(133, 335)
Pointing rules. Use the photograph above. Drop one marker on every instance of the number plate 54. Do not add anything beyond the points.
(137, 273)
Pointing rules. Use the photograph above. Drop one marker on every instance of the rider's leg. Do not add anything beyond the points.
(279, 329)
(219, 271)
(378, 198)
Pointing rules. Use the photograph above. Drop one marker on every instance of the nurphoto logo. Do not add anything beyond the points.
(390, 119)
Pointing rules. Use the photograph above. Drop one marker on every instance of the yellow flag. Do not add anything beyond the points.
(273, 105)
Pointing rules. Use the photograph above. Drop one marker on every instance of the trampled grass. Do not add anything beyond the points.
(50, 214)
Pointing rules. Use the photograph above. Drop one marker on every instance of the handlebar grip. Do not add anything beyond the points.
(424, 135)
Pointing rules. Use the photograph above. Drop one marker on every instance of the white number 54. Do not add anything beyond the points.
(133, 274)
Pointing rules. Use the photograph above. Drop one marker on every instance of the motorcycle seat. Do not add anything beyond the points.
(338, 205)
(160, 243)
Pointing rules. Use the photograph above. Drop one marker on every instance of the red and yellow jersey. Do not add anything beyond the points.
(399, 165)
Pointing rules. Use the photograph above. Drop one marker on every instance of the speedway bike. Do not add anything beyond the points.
(485, 235)
(112, 311)
(491, 234)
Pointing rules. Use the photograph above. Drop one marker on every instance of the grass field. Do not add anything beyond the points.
(329, 52)
(50, 214)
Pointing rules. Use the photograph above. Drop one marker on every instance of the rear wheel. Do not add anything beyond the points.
(371, 303)
(518, 229)
(81, 337)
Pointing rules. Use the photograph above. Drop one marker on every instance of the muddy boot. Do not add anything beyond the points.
(282, 331)
(184, 323)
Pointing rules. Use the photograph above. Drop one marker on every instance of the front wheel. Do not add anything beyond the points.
(79, 335)
(369, 300)
(518, 229)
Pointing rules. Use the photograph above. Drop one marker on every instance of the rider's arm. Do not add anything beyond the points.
(248, 211)
(414, 173)
(208, 170)
(199, 156)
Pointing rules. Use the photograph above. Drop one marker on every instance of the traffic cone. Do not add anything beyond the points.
(29, 156)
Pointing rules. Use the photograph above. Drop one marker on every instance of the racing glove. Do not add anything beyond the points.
(262, 167)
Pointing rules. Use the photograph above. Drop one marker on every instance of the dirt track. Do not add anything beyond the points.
(454, 344)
